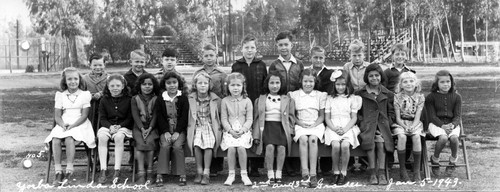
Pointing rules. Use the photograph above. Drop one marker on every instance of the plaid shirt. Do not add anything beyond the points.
(255, 74)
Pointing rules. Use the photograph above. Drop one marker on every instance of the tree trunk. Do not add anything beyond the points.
(475, 39)
(417, 33)
(440, 47)
(423, 42)
(392, 20)
(451, 40)
(359, 29)
(444, 42)
(462, 52)
(411, 42)
(486, 40)
(338, 31)
(431, 54)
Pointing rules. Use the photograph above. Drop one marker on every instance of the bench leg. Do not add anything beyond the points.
(466, 159)
(49, 156)
(425, 161)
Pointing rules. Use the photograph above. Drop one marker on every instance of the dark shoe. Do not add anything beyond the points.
(116, 176)
(213, 173)
(254, 173)
(141, 178)
(335, 179)
(278, 181)
(102, 178)
(326, 173)
(205, 180)
(182, 181)
(404, 175)
(69, 178)
(150, 177)
(197, 179)
(382, 180)
(305, 181)
(313, 182)
(416, 177)
(450, 169)
(373, 179)
(342, 180)
(58, 179)
(435, 170)
(159, 180)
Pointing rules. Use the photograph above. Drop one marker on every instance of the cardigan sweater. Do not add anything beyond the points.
(182, 106)
(444, 108)
(115, 111)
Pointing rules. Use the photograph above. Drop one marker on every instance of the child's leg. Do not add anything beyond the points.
(371, 166)
(303, 152)
(280, 160)
(417, 156)
(119, 146)
(335, 157)
(198, 156)
(313, 154)
(149, 159)
(402, 157)
(207, 161)
(440, 144)
(344, 156)
(270, 161)
(401, 142)
(454, 146)
(57, 150)
(164, 156)
(70, 153)
(103, 150)
(379, 147)
(140, 161)
(242, 157)
(231, 158)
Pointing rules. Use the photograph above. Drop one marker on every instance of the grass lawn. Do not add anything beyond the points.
(26, 118)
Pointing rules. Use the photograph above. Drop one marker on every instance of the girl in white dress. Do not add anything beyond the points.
(340, 116)
(236, 119)
(309, 127)
(72, 106)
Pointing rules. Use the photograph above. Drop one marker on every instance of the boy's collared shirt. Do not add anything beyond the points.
(255, 74)
(356, 74)
(392, 73)
(290, 75)
(288, 63)
(218, 78)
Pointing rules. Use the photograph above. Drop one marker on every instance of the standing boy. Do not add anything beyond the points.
(255, 73)
(399, 56)
(289, 68)
(209, 59)
(318, 56)
(95, 81)
(138, 61)
(356, 67)
(169, 62)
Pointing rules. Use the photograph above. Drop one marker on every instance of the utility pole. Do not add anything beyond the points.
(230, 36)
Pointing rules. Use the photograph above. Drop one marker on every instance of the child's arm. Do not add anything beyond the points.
(420, 107)
(136, 116)
(457, 111)
(291, 114)
(351, 123)
(431, 111)
(390, 109)
(224, 117)
(256, 128)
(321, 118)
(397, 111)
(249, 116)
(103, 114)
(85, 110)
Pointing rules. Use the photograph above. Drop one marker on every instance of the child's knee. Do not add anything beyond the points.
(415, 139)
(303, 140)
(453, 139)
(401, 138)
(313, 139)
(336, 145)
(345, 144)
(56, 141)
(270, 147)
(443, 138)
(281, 149)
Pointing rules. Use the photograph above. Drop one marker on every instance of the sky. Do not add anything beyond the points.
(10, 11)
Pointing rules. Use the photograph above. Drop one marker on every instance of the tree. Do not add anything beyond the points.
(68, 19)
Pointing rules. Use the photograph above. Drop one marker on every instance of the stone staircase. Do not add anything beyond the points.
(155, 45)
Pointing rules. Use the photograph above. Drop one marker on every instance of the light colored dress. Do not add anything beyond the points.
(340, 109)
(307, 107)
(204, 136)
(236, 114)
(408, 107)
(71, 105)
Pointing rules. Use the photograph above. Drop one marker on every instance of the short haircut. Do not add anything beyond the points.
(95, 56)
(141, 79)
(357, 46)
(374, 67)
(268, 78)
(195, 80)
(349, 89)
(309, 72)
(435, 87)
(236, 75)
(408, 75)
(209, 47)
(317, 49)
(169, 52)
(399, 47)
(169, 75)
(118, 77)
(284, 35)
(247, 39)
(63, 84)
(138, 52)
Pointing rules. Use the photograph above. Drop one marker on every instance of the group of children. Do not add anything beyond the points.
(258, 109)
